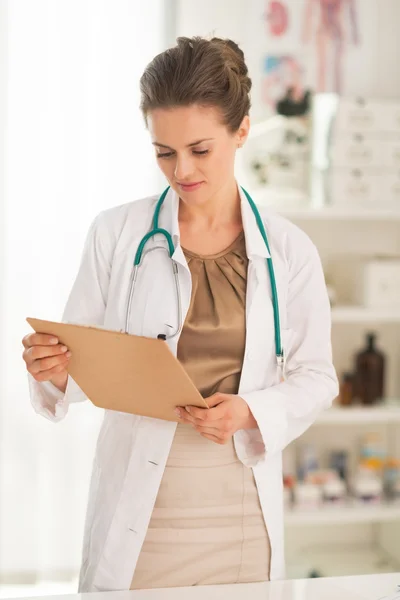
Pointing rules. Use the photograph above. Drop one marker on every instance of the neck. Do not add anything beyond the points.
(221, 209)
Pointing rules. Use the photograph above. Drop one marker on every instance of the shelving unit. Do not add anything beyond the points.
(350, 514)
(361, 314)
(354, 538)
(338, 214)
(340, 561)
(358, 415)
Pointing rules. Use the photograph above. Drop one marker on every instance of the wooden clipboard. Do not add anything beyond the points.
(123, 372)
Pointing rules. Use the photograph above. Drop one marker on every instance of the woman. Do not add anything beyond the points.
(199, 502)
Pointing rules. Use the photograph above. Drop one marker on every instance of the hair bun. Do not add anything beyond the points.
(234, 59)
(233, 46)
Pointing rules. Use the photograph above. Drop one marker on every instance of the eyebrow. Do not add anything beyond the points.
(188, 146)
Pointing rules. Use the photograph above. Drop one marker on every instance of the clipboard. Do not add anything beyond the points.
(123, 372)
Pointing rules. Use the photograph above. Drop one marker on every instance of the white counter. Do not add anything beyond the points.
(366, 587)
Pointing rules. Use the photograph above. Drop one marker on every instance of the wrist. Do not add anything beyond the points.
(249, 421)
(60, 382)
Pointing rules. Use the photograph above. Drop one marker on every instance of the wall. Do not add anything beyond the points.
(75, 144)
(3, 96)
(372, 69)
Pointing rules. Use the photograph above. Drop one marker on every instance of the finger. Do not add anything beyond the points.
(219, 425)
(207, 414)
(184, 416)
(218, 433)
(213, 402)
(48, 374)
(46, 364)
(39, 352)
(39, 339)
(215, 439)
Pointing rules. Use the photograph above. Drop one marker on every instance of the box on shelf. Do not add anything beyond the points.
(357, 150)
(391, 189)
(364, 189)
(392, 155)
(367, 489)
(358, 188)
(381, 283)
(362, 115)
(307, 496)
(392, 117)
(364, 155)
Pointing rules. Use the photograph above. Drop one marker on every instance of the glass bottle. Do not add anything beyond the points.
(369, 373)
(346, 390)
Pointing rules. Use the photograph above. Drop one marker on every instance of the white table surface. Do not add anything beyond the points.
(366, 587)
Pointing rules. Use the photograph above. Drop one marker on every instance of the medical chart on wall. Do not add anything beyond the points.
(296, 48)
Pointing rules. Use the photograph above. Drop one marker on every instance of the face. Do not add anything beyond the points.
(195, 150)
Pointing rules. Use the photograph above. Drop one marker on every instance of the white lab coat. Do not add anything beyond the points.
(132, 451)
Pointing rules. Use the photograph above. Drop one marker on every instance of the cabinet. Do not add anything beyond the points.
(352, 539)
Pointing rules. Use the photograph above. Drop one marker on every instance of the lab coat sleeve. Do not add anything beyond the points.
(284, 411)
(85, 306)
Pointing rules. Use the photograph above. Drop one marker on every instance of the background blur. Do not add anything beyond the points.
(324, 151)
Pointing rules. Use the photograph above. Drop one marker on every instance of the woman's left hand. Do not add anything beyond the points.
(227, 414)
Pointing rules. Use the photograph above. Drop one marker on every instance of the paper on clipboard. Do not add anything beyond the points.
(123, 372)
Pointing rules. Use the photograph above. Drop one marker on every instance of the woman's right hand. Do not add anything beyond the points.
(46, 359)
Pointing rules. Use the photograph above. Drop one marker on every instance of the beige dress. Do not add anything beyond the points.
(207, 526)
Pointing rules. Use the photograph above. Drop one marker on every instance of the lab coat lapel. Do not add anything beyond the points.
(259, 309)
(169, 221)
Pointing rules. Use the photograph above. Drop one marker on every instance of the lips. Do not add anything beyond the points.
(189, 187)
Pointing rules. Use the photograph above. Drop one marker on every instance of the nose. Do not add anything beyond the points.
(184, 168)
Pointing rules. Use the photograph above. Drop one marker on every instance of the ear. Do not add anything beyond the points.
(243, 131)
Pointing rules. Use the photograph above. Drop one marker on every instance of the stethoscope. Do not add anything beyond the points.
(170, 249)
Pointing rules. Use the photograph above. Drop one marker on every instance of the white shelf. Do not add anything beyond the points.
(358, 415)
(338, 214)
(359, 314)
(346, 515)
(340, 561)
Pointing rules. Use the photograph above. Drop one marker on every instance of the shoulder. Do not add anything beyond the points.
(133, 216)
(287, 240)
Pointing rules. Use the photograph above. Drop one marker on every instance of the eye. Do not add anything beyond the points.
(165, 155)
(200, 152)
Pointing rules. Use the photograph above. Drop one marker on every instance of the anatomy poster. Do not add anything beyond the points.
(330, 27)
(298, 47)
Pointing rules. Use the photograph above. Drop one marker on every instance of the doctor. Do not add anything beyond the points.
(199, 502)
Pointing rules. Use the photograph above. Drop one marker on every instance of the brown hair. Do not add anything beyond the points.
(199, 71)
